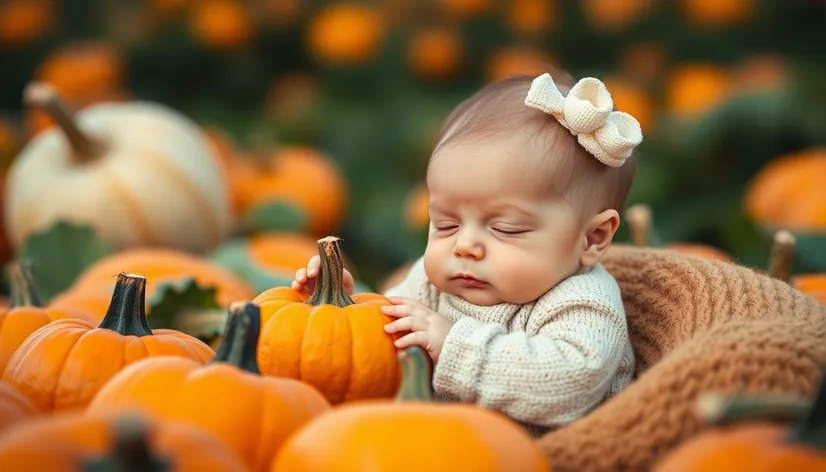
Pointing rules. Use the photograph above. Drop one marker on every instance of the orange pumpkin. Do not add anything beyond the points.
(371, 432)
(285, 175)
(223, 25)
(435, 52)
(25, 21)
(644, 234)
(72, 442)
(750, 434)
(27, 313)
(611, 15)
(93, 288)
(692, 89)
(787, 192)
(717, 13)
(333, 341)
(345, 33)
(250, 413)
(14, 407)
(62, 365)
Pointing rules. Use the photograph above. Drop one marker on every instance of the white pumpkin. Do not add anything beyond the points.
(141, 173)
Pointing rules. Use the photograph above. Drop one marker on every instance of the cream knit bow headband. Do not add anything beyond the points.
(586, 112)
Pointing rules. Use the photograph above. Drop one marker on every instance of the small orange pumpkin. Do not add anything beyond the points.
(27, 313)
(345, 33)
(72, 442)
(250, 413)
(787, 192)
(62, 365)
(333, 341)
(371, 432)
(93, 288)
(14, 407)
(749, 433)
(285, 175)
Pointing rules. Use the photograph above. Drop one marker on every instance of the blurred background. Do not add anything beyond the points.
(322, 114)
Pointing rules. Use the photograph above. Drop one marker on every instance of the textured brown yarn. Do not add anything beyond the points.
(697, 325)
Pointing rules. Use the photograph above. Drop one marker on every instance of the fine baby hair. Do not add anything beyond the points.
(588, 146)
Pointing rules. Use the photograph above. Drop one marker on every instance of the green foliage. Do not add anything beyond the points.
(187, 306)
(274, 216)
(58, 254)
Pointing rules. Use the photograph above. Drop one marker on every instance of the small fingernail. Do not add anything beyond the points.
(386, 308)
(388, 328)
(398, 343)
(311, 272)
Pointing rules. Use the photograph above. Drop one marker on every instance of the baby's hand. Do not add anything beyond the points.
(305, 279)
(428, 329)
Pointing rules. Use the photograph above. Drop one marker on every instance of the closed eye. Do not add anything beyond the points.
(510, 232)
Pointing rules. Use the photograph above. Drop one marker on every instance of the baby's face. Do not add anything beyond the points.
(494, 237)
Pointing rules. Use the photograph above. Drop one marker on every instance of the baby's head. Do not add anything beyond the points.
(517, 204)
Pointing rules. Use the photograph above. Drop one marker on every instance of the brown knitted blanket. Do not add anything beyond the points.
(696, 325)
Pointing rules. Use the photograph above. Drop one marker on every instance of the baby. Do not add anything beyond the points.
(510, 299)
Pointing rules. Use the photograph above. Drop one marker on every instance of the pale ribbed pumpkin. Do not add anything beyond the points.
(139, 172)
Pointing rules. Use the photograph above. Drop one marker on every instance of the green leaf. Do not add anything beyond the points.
(171, 299)
(274, 216)
(59, 254)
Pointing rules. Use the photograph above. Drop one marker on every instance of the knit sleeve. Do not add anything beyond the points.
(416, 286)
(548, 378)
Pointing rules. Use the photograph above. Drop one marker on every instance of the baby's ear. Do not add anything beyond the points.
(599, 235)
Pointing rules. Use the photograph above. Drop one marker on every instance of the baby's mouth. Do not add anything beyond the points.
(467, 280)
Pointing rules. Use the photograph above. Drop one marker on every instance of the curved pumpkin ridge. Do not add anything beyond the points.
(14, 407)
(139, 222)
(42, 391)
(330, 373)
(200, 205)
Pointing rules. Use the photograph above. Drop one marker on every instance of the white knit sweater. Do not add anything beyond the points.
(545, 363)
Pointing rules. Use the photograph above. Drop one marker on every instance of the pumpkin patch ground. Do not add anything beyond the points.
(168, 166)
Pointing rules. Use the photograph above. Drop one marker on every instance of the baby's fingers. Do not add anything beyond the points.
(409, 323)
(313, 266)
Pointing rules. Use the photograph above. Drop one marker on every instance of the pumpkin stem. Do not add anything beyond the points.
(641, 226)
(811, 428)
(23, 290)
(239, 344)
(131, 452)
(782, 256)
(43, 96)
(415, 365)
(718, 409)
(330, 285)
(127, 310)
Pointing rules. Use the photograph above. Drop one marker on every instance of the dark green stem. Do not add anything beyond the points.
(130, 451)
(239, 344)
(23, 289)
(811, 429)
(127, 310)
(718, 409)
(330, 284)
(416, 372)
